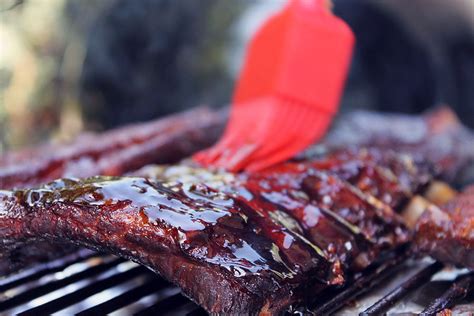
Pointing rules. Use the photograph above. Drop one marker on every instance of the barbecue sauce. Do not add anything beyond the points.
(300, 224)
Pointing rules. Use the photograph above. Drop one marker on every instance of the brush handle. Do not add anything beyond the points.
(316, 57)
(302, 54)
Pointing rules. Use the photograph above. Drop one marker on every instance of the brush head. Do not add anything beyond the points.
(289, 88)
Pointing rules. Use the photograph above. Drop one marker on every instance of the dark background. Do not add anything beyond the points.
(93, 64)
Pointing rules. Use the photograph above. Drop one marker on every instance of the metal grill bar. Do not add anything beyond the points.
(188, 309)
(402, 290)
(91, 280)
(361, 285)
(126, 298)
(83, 293)
(41, 270)
(55, 285)
(167, 305)
(456, 292)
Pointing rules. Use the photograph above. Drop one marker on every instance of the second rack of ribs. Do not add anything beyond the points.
(247, 243)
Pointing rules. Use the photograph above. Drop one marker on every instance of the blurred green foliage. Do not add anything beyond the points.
(45, 45)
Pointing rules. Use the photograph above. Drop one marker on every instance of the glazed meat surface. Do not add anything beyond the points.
(447, 233)
(114, 152)
(244, 243)
(437, 136)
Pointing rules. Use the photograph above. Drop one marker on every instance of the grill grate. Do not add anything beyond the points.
(87, 283)
(126, 298)
(456, 292)
(394, 296)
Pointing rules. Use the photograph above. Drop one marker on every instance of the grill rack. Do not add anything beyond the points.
(88, 283)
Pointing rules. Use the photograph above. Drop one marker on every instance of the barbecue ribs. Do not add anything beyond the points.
(114, 152)
(247, 243)
(437, 136)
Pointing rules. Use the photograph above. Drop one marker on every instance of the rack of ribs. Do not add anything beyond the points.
(437, 136)
(245, 243)
(235, 243)
(114, 152)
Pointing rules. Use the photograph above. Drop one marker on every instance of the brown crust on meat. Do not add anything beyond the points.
(447, 233)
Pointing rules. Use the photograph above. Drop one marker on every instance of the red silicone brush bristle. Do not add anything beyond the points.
(289, 88)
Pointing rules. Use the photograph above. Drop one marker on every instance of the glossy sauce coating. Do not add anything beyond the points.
(349, 226)
(322, 204)
(192, 212)
(268, 239)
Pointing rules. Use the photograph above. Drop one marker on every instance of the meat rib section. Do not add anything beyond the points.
(437, 136)
(447, 233)
(234, 243)
(115, 152)
(246, 243)
(212, 251)
(111, 153)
